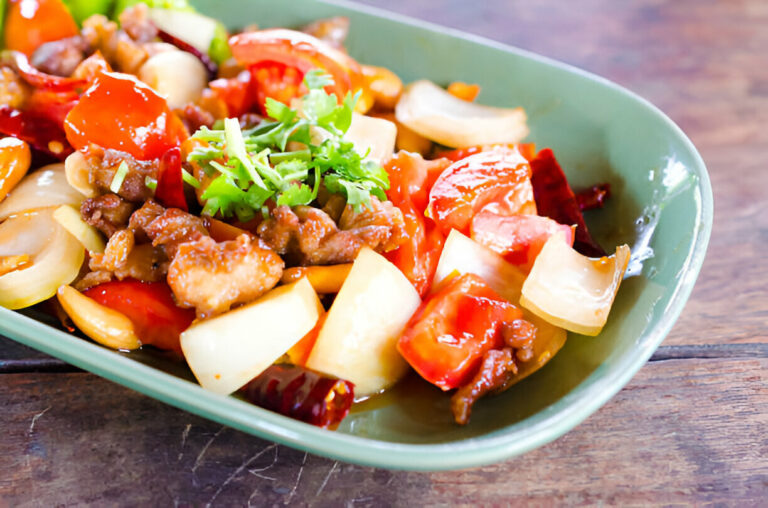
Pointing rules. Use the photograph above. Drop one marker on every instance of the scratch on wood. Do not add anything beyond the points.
(184, 436)
(34, 419)
(298, 479)
(237, 472)
(256, 472)
(327, 477)
(200, 455)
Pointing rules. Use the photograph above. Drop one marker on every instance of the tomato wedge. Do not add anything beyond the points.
(122, 113)
(410, 178)
(447, 336)
(527, 150)
(300, 51)
(235, 93)
(499, 179)
(31, 23)
(518, 238)
(151, 308)
(276, 81)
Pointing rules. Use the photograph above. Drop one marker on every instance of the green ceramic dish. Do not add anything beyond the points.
(662, 205)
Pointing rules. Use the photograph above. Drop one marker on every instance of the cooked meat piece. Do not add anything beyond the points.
(122, 260)
(331, 30)
(92, 279)
(103, 164)
(107, 213)
(381, 226)
(165, 227)
(142, 217)
(308, 236)
(519, 335)
(193, 117)
(173, 228)
(121, 51)
(116, 252)
(212, 277)
(61, 57)
(497, 368)
(136, 23)
(334, 206)
(13, 90)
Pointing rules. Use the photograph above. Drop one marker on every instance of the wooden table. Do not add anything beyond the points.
(692, 427)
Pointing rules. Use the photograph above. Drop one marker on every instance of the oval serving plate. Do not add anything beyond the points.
(661, 205)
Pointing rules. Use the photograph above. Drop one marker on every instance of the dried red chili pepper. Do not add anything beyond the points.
(301, 394)
(555, 199)
(41, 132)
(170, 185)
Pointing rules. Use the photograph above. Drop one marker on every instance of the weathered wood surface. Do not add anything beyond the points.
(690, 428)
(73, 438)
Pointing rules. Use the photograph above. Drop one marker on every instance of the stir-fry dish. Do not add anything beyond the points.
(300, 228)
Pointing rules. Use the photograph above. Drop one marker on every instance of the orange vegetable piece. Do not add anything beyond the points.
(324, 279)
(31, 23)
(464, 91)
(15, 158)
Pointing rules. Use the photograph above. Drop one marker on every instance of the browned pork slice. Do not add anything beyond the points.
(308, 236)
(103, 164)
(212, 277)
(108, 213)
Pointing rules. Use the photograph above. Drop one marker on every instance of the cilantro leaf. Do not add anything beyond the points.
(250, 167)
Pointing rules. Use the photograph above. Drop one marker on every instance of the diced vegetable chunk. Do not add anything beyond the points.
(571, 290)
(462, 255)
(447, 336)
(227, 351)
(437, 115)
(357, 341)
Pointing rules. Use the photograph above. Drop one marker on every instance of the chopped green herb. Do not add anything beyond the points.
(117, 180)
(250, 167)
(150, 183)
(191, 180)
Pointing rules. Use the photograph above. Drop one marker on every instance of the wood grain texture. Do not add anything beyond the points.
(77, 439)
(690, 428)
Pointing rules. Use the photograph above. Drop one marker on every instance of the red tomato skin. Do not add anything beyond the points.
(236, 93)
(410, 179)
(499, 179)
(122, 113)
(527, 150)
(517, 238)
(151, 308)
(447, 336)
(276, 81)
(31, 23)
(300, 51)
